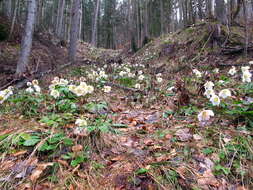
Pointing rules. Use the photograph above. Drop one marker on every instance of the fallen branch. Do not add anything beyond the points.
(234, 50)
(231, 64)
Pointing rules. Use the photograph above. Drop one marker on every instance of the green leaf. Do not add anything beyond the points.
(67, 156)
(56, 138)
(77, 160)
(32, 141)
(25, 136)
(2, 137)
(220, 168)
(141, 171)
(207, 151)
(68, 142)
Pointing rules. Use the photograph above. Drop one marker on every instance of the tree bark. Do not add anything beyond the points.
(74, 30)
(220, 10)
(61, 7)
(8, 8)
(162, 16)
(26, 43)
(146, 33)
(209, 8)
(14, 17)
(94, 29)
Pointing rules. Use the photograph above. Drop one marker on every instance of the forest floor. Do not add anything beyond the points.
(144, 133)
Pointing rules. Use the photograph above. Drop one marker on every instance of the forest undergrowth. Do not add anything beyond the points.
(132, 125)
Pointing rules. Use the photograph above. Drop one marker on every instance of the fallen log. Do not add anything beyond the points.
(235, 50)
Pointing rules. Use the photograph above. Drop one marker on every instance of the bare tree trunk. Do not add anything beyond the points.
(80, 20)
(94, 29)
(61, 7)
(200, 11)
(237, 10)
(14, 17)
(8, 8)
(74, 30)
(162, 16)
(245, 15)
(39, 22)
(138, 24)
(209, 8)
(146, 34)
(220, 11)
(26, 44)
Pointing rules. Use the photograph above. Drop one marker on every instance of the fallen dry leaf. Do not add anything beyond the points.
(184, 134)
(168, 136)
(77, 148)
(197, 137)
(208, 179)
(118, 158)
(39, 170)
(20, 153)
(63, 162)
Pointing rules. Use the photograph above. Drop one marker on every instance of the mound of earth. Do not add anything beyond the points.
(205, 43)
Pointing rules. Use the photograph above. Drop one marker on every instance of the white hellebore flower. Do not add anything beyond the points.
(63, 82)
(83, 84)
(216, 70)
(80, 91)
(205, 115)
(29, 84)
(107, 89)
(37, 88)
(55, 93)
(232, 71)
(221, 81)
(158, 74)
(245, 69)
(138, 86)
(246, 76)
(171, 88)
(56, 80)
(140, 72)
(122, 73)
(215, 100)
(72, 88)
(2, 98)
(35, 82)
(225, 93)
(197, 73)
(209, 93)
(141, 77)
(209, 85)
(159, 79)
(29, 90)
(81, 122)
(128, 70)
(5, 94)
(90, 89)
(131, 75)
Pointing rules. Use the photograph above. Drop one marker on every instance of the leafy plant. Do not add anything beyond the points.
(66, 105)
(242, 111)
(188, 110)
(55, 120)
(127, 81)
(27, 104)
(93, 107)
(52, 143)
